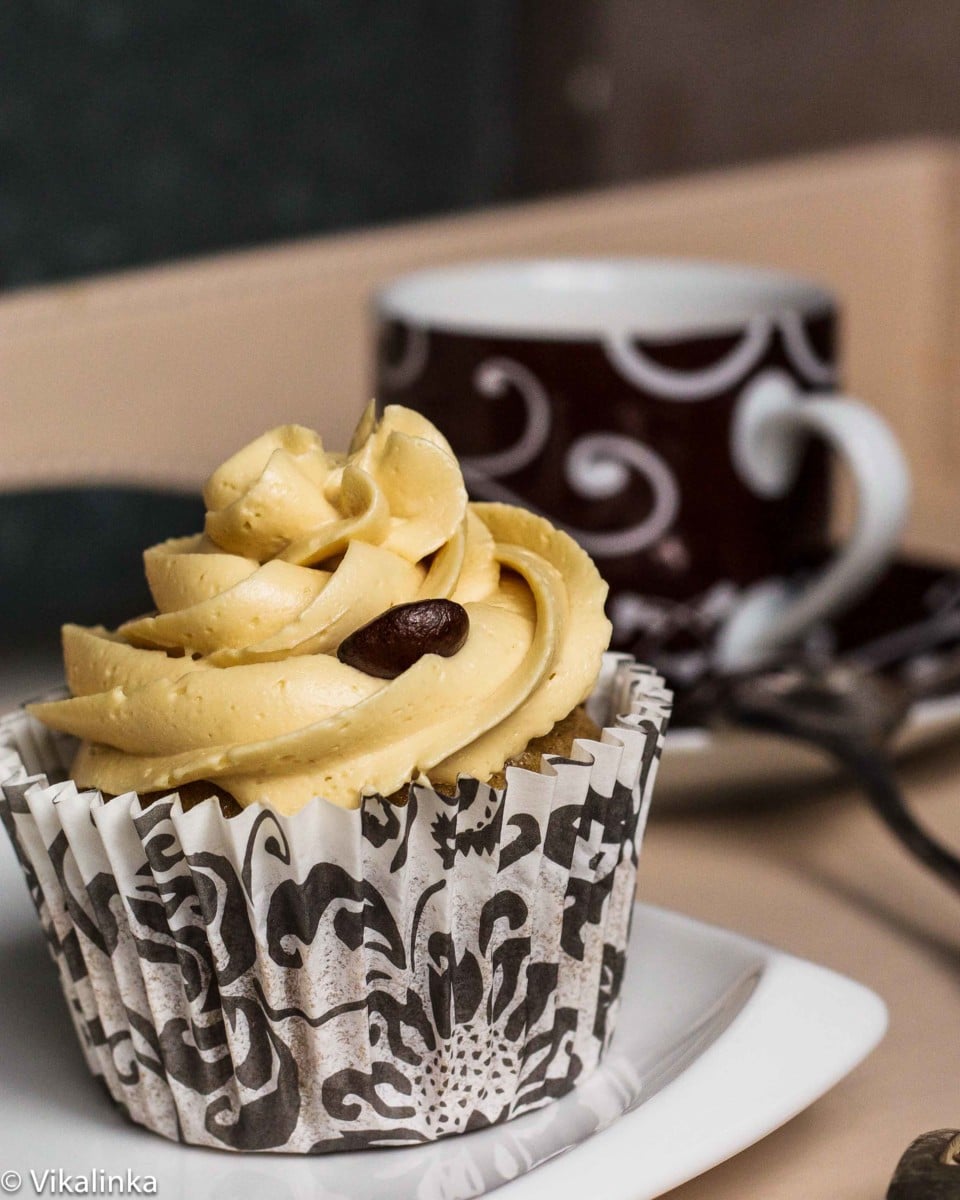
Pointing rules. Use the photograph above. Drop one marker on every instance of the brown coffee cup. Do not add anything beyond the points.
(676, 418)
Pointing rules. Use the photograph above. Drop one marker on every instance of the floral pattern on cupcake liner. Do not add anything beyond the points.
(341, 979)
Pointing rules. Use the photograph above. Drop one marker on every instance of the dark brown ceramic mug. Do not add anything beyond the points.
(676, 418)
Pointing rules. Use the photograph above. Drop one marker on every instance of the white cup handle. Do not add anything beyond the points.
(770, 426)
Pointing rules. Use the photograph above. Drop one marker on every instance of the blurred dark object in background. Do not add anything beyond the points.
(132, 133)
(76, 554)
(618, 90)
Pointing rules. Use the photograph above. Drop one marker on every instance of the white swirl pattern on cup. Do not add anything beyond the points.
(596, 466)
(682, 385)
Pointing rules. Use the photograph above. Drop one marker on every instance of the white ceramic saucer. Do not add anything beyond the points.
(907, 625)
(717, 1034)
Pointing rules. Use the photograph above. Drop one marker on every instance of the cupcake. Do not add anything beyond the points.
(331, 850)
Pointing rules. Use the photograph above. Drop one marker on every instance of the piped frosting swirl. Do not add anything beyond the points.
(235, 678)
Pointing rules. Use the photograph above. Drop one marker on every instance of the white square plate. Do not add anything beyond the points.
(717, 1034)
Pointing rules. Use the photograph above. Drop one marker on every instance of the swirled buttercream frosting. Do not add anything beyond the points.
(235, 679)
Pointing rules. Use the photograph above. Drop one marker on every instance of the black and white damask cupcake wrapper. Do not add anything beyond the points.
(341, 979)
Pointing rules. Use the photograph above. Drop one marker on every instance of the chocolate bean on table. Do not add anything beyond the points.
(929, 1168)
(389, 644)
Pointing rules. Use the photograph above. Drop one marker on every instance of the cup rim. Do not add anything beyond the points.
(632, 296)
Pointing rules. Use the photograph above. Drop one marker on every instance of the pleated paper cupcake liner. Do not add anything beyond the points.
(340, 979)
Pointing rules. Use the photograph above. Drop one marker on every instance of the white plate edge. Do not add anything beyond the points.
(793, 996)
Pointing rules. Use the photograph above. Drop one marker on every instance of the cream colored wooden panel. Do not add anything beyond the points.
(156, 375)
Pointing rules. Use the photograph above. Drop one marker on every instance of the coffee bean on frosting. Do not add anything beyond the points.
(389, 644)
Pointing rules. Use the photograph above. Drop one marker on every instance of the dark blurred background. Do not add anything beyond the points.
(134, 132)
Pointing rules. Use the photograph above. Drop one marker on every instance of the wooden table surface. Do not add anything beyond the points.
(816, 873)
